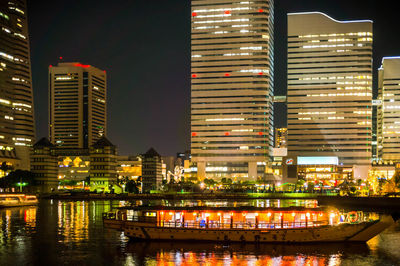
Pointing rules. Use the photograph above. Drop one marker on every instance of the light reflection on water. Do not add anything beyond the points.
(71, 232)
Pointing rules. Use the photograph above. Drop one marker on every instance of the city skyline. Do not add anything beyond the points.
(168, 94)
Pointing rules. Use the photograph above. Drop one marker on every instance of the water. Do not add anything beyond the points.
(71, 233)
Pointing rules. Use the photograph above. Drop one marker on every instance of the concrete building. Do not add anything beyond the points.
(388, 115)
(232, 87)
(44, 166)
(129, 167)
(329, 95)
(17, 125)
(103, 163)
(281, 137)
(151, 171)
(77, 105)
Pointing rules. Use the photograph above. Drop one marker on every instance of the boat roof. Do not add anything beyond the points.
(224, 208)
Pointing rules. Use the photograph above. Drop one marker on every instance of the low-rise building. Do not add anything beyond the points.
(151, 171)
(44, 166)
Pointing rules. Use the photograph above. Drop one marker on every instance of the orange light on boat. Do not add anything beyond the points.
(219, 214)
(195, 213)
(332, 215)
(256, 214)
(269, 214)
(207, 214)
(308, 215)
(293, 214)
(231, 213)
(161, 212)
(320, 214)
(171, 213)
(281, 214)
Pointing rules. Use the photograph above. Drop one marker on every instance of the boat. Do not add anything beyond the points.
(17, 200)
(246, 224)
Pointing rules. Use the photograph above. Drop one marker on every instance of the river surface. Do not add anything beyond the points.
(71, 233)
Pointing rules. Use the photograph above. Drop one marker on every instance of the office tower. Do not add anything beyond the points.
(281, 137)
(232, 87)
(17, 126)
(388, 129)
(78, 108)
(329, 95)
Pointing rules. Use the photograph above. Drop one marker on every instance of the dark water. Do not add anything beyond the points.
(71, 233)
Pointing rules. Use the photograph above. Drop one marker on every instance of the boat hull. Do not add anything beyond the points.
(361, 232)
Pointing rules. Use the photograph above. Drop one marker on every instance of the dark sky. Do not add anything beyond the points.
(145, 48)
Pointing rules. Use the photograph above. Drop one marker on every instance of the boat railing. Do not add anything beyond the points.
(241, 225)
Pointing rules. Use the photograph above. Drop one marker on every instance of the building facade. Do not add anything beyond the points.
(231, 87)
(151, 171)
(281, 137)
(103, 167)
(78, 105)
(44, 166)
(329, 96)
(17, 125)
(388, 114)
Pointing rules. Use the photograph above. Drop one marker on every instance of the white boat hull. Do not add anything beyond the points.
(361, 232)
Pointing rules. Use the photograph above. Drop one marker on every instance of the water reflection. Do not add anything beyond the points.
(71, 232)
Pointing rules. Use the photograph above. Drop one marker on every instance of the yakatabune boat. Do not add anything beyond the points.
(246, 224)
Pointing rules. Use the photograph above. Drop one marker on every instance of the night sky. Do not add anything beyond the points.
(145, 48)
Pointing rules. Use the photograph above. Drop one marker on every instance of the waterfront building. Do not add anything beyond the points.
(77, 105)
(329, 96)
(103, 163)
(281, 137)
(44, 166)
(231, 88)
(129, 167)
(17, 125)
(151, 171)
(388, 117)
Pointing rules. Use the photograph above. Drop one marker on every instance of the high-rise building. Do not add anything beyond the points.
(281, 137)
(329, 97)
(388, 117)
(232, 87)
(78, 105)
(17, 125)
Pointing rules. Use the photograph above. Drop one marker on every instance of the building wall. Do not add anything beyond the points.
(16, 96)
(232, 85)
(77, 101)
(280, 137)
(103, 173)
(329, 88)
(151, 173)
(45, 169)
(388, 129)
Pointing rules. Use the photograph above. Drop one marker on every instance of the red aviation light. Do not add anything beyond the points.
(260, 133)
(50, 66)
(260, 10)
(60, 57)
(227, 12)
(227, 133)
(194, 134)
(81, 65)
(261, 73)
(227, 74)
(194, 76)
(194, 14)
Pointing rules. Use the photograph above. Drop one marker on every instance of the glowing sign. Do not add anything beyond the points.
(318, 160)
(289, 161)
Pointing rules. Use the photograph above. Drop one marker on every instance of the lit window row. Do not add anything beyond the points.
(339, 94)
(16, 9)
(340, 77)
(5, 29)
(64, 78)
(224, 119)
(7, 56)
(5, 101)
(8, 117)
(4, 16)
(213, 16)
(222, 21)
(6, 148)
(327, 45)
(221, 9)
(337, 34)
(22, 104)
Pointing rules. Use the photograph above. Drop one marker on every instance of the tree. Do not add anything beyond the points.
(18, 178)
(131, 187)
